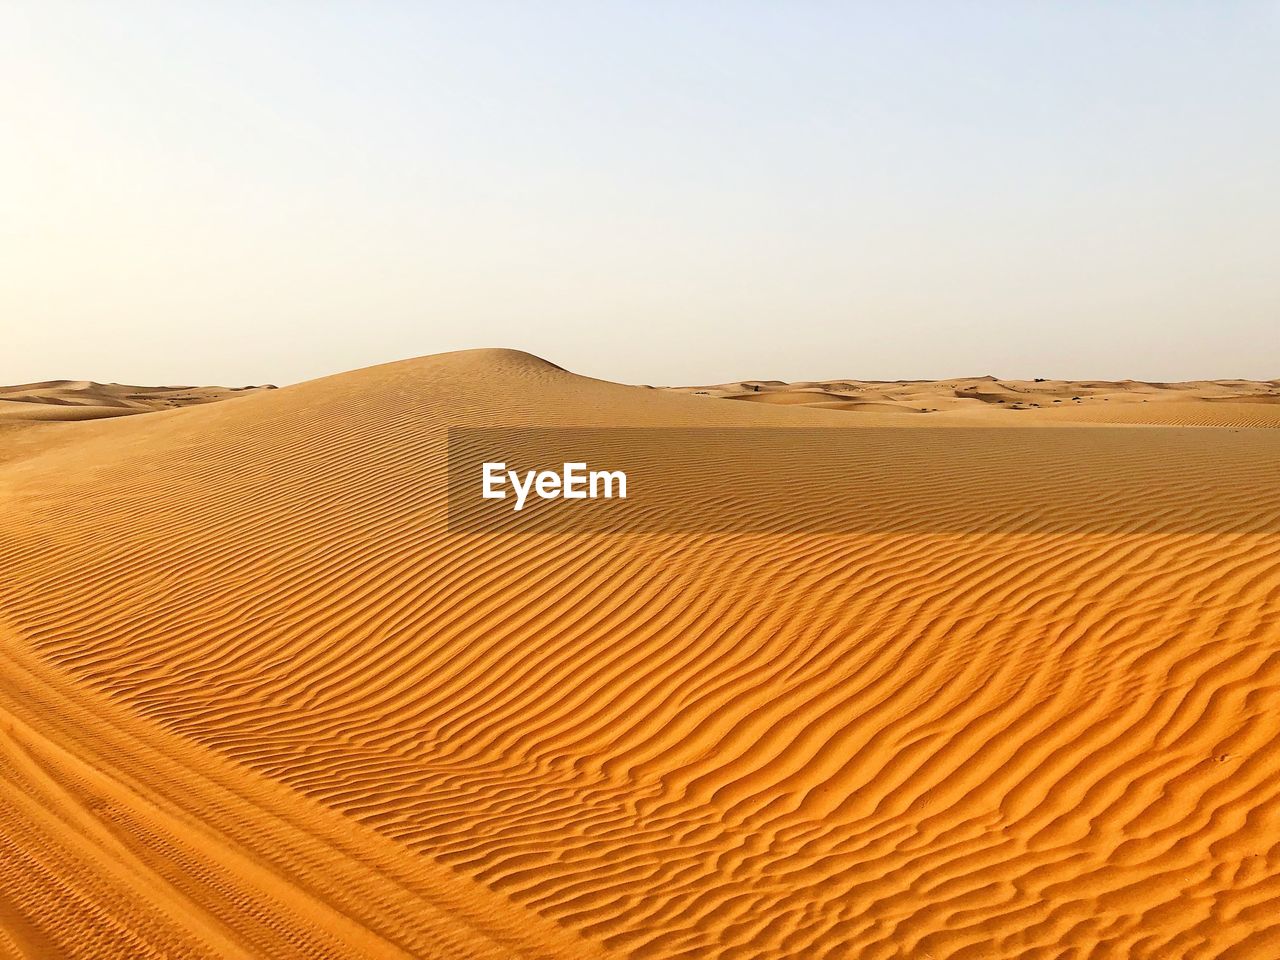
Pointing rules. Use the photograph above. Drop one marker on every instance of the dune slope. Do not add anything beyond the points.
(1247, 403)
(73, 400)
(260, 701)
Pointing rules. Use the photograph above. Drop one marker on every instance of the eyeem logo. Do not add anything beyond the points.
(574, 482)
(851, 480)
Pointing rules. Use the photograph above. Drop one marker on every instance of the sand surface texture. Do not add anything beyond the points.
(1248, 403)
(86, 400)
(257, 701)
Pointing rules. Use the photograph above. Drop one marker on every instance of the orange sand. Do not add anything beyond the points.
(257, 701)
(1248, 403)
(85, 400)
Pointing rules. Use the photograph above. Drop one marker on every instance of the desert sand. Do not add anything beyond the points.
(1248, 403)
(257, 700)
(87, 400)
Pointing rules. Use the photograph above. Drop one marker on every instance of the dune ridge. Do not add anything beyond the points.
(753, 745)
(1039, 402)
(86, 400)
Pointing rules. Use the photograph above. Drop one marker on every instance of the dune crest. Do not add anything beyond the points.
(260, 701)
(86, 400)
(1253, 403)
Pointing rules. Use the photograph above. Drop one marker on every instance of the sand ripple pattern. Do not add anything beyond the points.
(907, 746)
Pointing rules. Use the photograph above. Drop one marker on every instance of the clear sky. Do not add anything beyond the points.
(657, 191)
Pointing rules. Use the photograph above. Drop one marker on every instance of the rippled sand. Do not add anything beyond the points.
(257, 700)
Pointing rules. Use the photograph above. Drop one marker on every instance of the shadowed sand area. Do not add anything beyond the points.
(970, 400)
(85, 400)
(258, 700)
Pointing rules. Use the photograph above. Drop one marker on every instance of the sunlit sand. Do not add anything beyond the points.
(257, 700)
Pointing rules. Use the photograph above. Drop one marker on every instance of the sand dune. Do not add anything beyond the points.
(258, 700)
(1253, 403)
(86, 400)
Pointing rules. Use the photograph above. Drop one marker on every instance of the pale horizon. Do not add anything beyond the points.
(657, 193)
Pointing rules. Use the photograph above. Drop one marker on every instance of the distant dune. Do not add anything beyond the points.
(257, 700)
(85, 400)
(1252, 403)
